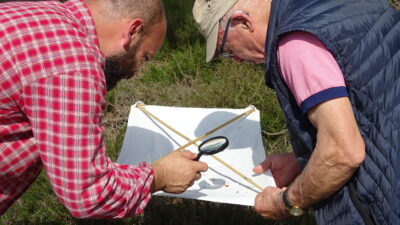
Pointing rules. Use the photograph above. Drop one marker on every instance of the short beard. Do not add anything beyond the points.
(120, 67)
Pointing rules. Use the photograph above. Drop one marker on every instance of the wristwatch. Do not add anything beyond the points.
(294, 210)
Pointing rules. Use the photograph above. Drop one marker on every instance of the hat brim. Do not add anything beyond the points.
(212, 43)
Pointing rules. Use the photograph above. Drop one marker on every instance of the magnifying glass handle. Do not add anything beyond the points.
(198, 156)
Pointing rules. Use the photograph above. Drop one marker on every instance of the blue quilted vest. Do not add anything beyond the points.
(364, 38)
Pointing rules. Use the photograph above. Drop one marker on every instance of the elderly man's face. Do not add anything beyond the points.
(242, 43)
(126, 65)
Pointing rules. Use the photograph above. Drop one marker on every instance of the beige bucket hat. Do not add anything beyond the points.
(207, 14)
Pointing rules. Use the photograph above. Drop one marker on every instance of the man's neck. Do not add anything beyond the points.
(262, 22)
(107, 28)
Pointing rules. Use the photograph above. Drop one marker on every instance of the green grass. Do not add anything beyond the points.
(178, 76)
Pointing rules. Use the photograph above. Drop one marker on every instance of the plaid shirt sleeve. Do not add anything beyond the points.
(51, 107)
(65, 112)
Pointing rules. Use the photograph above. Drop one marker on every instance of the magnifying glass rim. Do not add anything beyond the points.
(216, 137)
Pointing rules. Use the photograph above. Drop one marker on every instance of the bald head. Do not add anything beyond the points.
(151, 11)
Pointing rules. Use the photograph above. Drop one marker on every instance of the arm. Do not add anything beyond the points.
(65, 112)
(339, 151)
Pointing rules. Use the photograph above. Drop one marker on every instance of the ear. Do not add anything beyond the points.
(244, 20)
(132, 32)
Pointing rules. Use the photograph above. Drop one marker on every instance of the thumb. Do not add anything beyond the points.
(264, 166)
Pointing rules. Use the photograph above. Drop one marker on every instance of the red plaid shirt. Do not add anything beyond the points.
(52, 97)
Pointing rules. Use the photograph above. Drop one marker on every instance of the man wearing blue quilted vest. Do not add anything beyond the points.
(335, 67)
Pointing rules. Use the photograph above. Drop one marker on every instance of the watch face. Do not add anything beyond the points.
(296, 211)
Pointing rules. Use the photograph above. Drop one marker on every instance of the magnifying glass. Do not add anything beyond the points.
(212, 146)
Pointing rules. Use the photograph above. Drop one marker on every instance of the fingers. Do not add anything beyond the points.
(176, 172)
(197, 166)
(264, 166)
(201, 166)
(264, 204)
(190, 184)
(279, 183)
(188, 154)
(198, 176)
(258, 202)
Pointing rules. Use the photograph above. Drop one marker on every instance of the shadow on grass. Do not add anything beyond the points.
(168, 210)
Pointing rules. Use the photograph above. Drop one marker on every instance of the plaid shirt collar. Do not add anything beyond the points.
(80, 11)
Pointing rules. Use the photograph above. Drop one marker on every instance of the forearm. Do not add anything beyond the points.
(69, 134)
(319, 179)
(339, 151)
(90, 185)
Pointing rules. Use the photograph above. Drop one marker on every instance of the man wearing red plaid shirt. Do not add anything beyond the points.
(52, 98)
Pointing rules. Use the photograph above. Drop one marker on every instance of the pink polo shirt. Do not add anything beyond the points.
(309, 70)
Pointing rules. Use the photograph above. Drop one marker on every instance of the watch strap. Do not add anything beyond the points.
(286, 200)
(293, 209)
